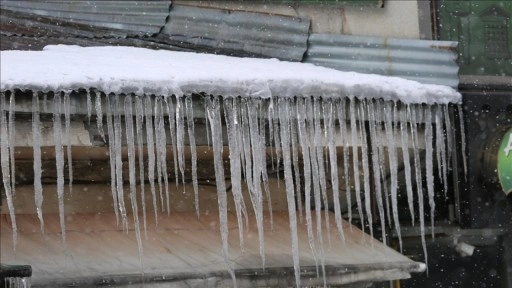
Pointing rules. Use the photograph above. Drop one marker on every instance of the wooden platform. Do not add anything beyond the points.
(185, 250)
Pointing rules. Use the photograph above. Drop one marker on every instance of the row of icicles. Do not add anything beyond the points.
(304, 132)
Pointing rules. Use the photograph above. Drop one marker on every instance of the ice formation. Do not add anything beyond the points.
(275, 107)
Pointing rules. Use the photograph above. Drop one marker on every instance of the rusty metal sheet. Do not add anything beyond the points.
(135, 17)
(238, 33)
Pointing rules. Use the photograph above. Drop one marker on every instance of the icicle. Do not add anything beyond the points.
(264, 173)
(257, 151)
(310, 121)
(180, 139)
(4, 160)
(393, 166)
(419, 187)
(250, 133)
(382, 163)
(407, 164)
(172, 130)
(463, 140)
(285, 140)
(99, 115)
(296, 169)
(163, 155)
(377, 176)
(89, 106)
(192, 144)
(355, 159)
(232, 123)
(366, 169)
(139, 119)
(213, 112)
(346, 175)
(270, 116)
(119, 161)
(449, 133)
(59, 160)
(441, 149)
(111, 149)
(151, 153)
(161, 152)
(36, 148)
(67, 139)
(319, 150)
(12, 135)
(130, 141)
(429, 165)
(277, 142)
(305, 144)
(334, 166)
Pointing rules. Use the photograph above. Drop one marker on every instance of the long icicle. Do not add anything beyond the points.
(12, 135)
(342, 116)
(285, 141)
(319, 149)
(59, 160)
(67, 139)
(305, 145)
(441, 150)
(355, 159)
(36, 148)
(213, 111)
(393, 166)
(111, 149)
(171, 111)
(4, 160)
(429, 165)
(150, 144)
(334, 166)
(407, 164)
(377, 176)
(366, 169)
(139, 122)
(193, 152)
(411, 111)
(232, 122)
(316, 185)
(130, 141)
(119, 162)
(252, 108)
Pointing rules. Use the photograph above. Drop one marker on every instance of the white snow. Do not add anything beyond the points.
(143, 71)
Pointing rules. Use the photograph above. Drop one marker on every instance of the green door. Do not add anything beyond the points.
(484, 32)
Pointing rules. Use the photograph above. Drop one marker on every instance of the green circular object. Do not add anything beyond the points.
(505, 162)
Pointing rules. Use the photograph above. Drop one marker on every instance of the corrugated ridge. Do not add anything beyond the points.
(139, 17)
(252, 34)
(425, 61)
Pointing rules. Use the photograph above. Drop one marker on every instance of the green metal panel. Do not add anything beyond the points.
(484, 32)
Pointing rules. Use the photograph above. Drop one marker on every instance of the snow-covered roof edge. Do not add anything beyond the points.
(143, 71)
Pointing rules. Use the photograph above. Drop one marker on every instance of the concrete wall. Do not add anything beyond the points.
(398, 18)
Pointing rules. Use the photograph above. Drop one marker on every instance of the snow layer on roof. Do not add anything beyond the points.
(144, 71)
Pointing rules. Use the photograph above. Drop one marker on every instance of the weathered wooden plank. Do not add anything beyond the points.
(184, 248)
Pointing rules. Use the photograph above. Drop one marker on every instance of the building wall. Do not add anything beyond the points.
(398, 18)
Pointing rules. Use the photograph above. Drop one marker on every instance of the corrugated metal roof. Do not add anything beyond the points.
(425, 61)
(138, 17)
(238, 33)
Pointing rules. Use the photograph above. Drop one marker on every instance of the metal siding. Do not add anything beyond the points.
(238, 33)
(140, 17)
(425, 61)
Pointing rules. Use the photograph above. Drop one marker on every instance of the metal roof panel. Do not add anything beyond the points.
(425, 61)
(242, 33)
